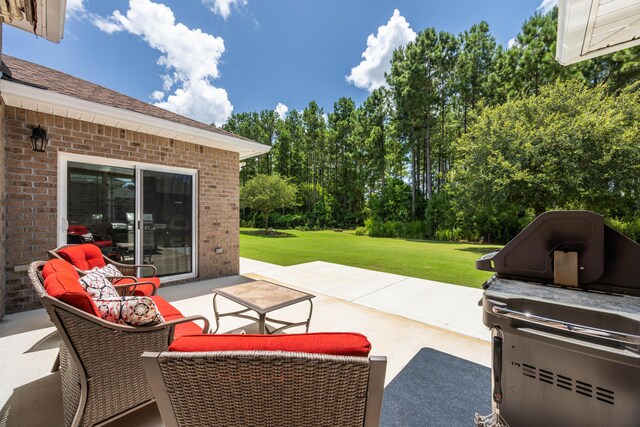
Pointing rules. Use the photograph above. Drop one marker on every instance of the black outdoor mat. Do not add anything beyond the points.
(437, 389)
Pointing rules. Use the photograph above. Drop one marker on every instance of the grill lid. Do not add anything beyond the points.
(606, 260)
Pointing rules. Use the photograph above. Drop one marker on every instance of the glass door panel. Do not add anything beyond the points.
(167, 221)
(101, 202)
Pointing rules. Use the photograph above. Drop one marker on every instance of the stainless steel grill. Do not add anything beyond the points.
(564, 309)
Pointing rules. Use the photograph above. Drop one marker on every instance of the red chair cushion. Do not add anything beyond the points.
(84, 257)
(186, 329)
(336, 343)
(77, 229)
(67, 289)
(169, 312)
(59, 266)
(143, 290)
(166, 309)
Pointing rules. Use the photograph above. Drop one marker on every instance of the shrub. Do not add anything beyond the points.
(629, 228)
(406, 230)
(361, 231)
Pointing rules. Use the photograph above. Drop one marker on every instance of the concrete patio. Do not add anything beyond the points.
(400, 316)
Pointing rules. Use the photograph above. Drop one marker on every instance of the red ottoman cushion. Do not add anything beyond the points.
(336, 343)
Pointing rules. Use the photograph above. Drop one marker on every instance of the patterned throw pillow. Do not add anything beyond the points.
(132, 311)
(98, 286)
(108, 270)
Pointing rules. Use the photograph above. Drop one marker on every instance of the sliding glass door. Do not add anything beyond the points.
(135, 213)
(167, 221)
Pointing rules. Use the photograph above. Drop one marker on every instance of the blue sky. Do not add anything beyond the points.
(207, 58)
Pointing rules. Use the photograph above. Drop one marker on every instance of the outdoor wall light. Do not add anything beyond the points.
(39, 139)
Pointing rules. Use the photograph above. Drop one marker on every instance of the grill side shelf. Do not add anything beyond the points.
(567, 327)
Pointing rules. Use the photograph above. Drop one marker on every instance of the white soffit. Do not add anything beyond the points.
(591, 28)
(50, 25)
(36, 99)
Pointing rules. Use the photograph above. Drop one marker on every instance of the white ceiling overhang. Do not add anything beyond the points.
(590, 28)
(51, 16)
(36, 99)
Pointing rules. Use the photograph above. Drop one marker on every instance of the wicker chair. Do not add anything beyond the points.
(100, 365)
(131, 274)
(266, 388)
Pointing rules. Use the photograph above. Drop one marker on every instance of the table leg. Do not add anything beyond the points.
(310, 312)
(215, 314)
(261, 324)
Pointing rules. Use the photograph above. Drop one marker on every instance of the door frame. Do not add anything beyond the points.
(138, 167)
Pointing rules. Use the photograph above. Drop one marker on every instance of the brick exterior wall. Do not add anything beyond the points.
(31, 191)
(3, 289)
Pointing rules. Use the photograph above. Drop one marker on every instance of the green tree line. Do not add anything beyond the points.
(468, 140)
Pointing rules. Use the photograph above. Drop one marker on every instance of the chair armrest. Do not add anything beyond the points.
(132, 267)
(205, 328)
(131, 287)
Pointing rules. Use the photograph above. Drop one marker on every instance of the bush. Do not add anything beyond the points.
(406, 230)
(361, 231)
(288, 221)
(629, 228)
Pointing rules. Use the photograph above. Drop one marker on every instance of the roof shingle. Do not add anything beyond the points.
(31, 74)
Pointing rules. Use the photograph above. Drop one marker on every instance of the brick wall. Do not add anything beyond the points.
(2, 204)
(31, 191)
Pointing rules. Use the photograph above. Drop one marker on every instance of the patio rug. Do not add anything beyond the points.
(437, 389)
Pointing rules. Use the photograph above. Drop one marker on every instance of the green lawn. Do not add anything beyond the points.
(426, 259)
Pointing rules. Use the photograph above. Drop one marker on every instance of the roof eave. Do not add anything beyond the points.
(50, 24)
(574, 32)
(36, 99)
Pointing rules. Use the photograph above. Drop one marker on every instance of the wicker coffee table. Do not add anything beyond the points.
(262, 297)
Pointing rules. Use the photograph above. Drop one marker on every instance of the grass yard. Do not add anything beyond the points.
(427, 259)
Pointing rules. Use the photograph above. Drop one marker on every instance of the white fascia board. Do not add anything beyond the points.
(56, 12)
(573, 18)
(575, 26)
(50, 23)
(32, 98)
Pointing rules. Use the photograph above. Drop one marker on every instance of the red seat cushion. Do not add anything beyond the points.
(84, 257)
(186, 329)
(143, 290)
(59, 266)
(67, 289)
(169, 312)
(166, 309)
(336, 343)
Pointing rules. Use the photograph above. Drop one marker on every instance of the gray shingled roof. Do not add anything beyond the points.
(31, 74)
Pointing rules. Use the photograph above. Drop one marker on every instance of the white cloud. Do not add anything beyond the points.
(223, 7)
(281, 109)
(157, 95)
(106, 25)
(512, 42)
(189, 56)
(369, 74)
(201, 101)
(547, 5)
(75, 7)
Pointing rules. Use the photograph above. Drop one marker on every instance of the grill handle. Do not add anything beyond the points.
(497, 369)
(582, 330)
(486, 262)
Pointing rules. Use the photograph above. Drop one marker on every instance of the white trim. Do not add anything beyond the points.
(195, 219)
(32, 98)
(138, 168)
(50, 23)
(576, 24)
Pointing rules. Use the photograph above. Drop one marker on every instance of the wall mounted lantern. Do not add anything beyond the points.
(39, 139)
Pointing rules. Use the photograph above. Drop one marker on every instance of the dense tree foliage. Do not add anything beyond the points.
(266, 193)
(469, 140)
